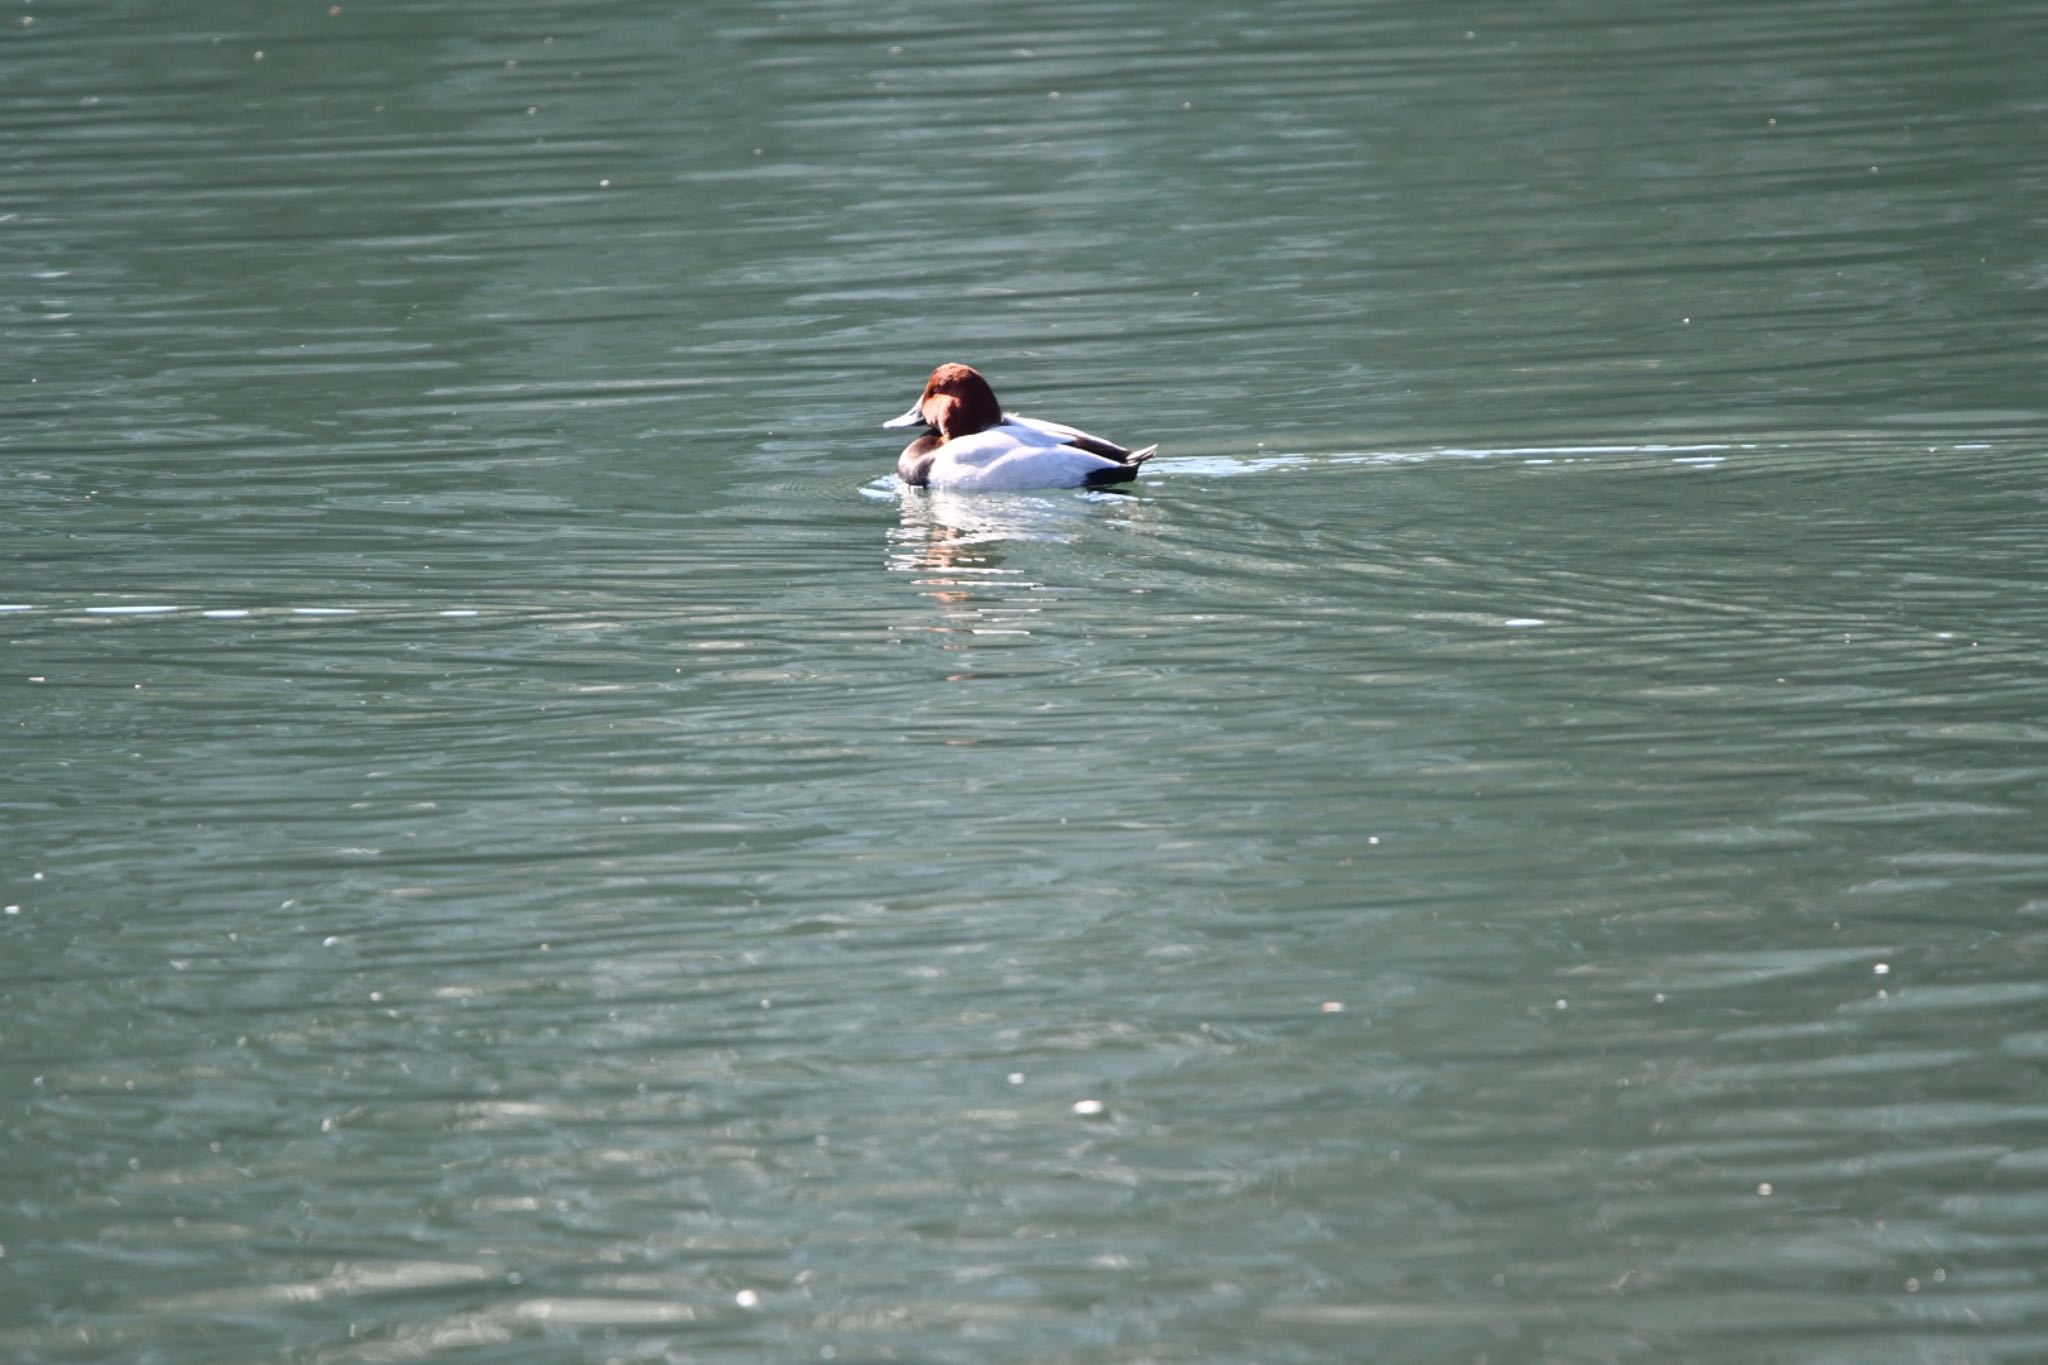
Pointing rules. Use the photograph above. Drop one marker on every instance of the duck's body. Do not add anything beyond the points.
(1017, 453)
(973, 445)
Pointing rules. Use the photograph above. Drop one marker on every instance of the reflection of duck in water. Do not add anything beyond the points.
(974, 445)
(958, 561)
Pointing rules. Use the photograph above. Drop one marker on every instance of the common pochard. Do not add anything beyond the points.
(973, 444)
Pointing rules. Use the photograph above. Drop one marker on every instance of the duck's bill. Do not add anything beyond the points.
(913, 418)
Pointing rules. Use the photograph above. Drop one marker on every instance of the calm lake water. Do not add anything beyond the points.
(1520, 839)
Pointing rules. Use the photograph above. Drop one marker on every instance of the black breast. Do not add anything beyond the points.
(914, 465)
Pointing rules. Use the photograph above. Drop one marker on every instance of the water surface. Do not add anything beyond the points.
(1519, 839)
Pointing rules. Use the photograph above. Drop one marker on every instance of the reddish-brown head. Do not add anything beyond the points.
(957, 401)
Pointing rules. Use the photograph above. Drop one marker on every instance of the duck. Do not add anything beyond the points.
(973, 445)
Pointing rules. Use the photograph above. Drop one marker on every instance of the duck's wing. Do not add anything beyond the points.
(1008, 441)
(1008, 457)
(1073, 436)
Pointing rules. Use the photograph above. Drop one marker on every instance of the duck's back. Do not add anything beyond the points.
(1013, 456)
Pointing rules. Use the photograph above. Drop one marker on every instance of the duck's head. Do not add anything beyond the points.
(957, 401)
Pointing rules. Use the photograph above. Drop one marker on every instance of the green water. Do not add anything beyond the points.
(1520, 839)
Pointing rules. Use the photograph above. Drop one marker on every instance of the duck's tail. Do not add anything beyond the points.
(1123, 472)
